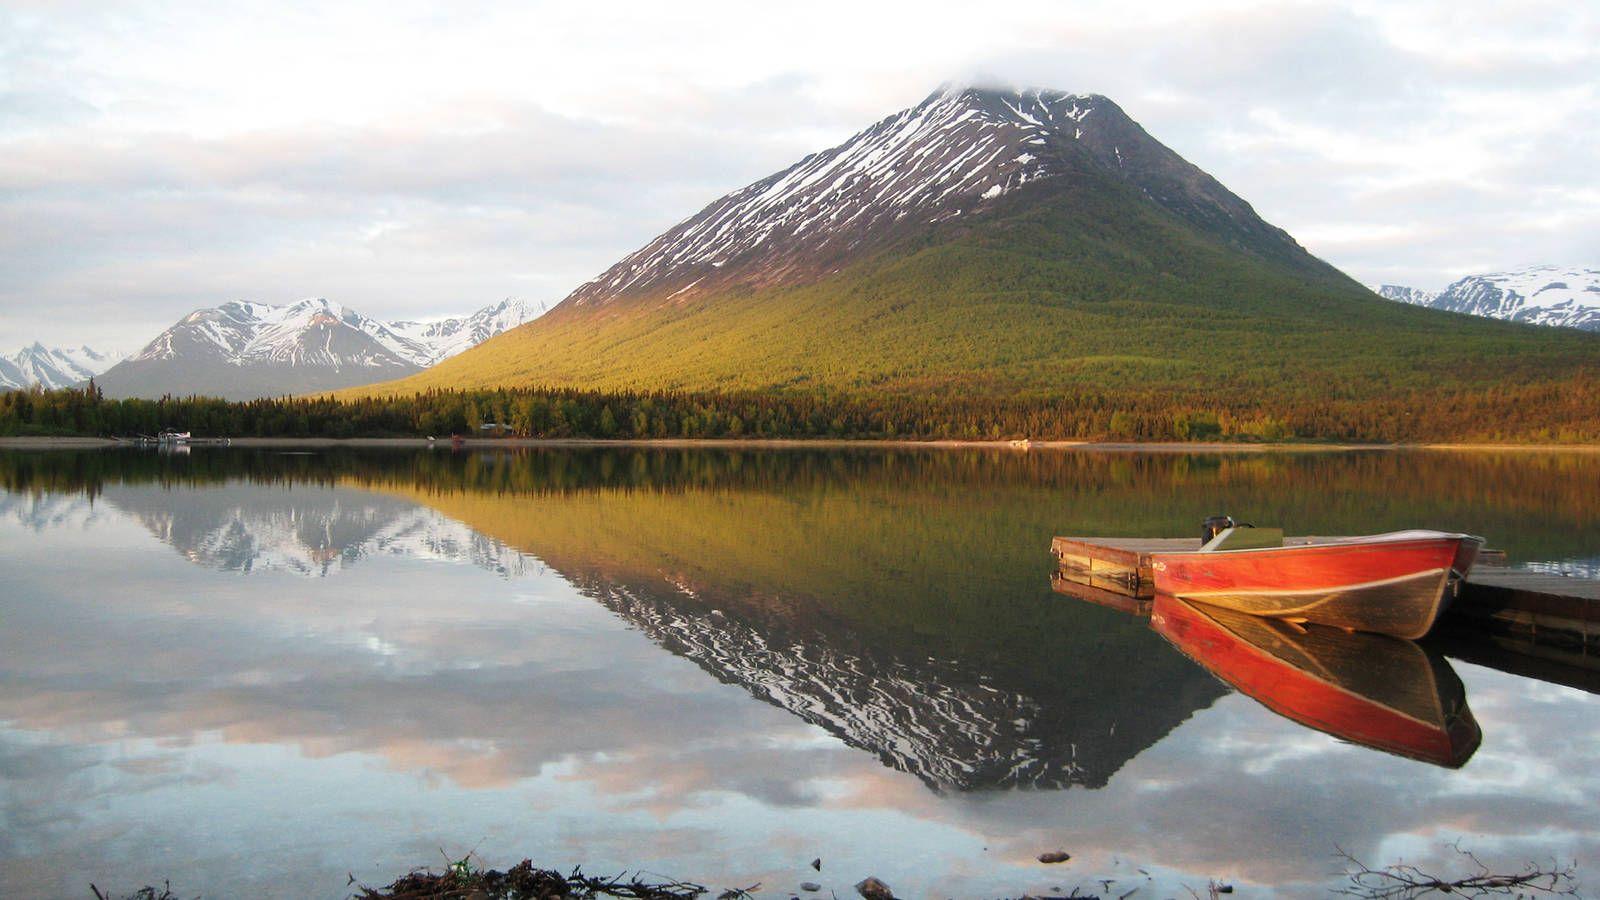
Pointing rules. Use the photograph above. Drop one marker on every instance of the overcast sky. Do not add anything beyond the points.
(413, 159)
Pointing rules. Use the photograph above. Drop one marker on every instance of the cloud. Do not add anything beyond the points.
(409, 158)
(1412, 143)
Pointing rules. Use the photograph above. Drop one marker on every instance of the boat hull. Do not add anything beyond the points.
(1389, 585)
(1369, 689)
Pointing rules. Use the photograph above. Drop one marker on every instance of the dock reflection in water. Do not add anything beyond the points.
(1370, 689)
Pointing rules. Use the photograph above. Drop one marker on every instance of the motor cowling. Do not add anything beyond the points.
(1213, 526)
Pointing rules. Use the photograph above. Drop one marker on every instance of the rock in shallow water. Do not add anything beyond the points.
(1054, 856)
(873, 889)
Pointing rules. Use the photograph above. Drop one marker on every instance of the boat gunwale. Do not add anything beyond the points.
(1358, 543)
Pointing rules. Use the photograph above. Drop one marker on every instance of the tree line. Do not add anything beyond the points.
(1562, 412)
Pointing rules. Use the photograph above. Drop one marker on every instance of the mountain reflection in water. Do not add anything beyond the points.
(942, 719)
(1059, 712)
(239, 529)
(434, 647)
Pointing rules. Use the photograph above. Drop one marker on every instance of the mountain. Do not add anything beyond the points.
(51, 368)
(995, 243)
(955, 154)
(1538, 295)
(1403, 294)
(242, 350)
(444, 338)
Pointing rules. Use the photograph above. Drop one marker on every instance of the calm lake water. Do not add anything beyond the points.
(252, 672)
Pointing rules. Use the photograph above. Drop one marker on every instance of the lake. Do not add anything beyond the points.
(252, 672)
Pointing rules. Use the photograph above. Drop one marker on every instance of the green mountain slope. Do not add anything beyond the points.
(1116, 265)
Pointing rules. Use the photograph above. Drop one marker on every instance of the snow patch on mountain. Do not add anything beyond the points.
(446, 337)
(959, 149)
(1567, 296)
(1402, 294)
(243, 350)
(961, 153)
(306, 334)
(52, 367)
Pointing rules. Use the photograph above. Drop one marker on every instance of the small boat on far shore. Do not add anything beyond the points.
(1369, 689)
(1397, 583)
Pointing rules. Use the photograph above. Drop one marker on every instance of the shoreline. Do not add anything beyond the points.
(90, 443)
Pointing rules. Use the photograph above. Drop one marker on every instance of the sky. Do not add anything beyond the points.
(414, 159)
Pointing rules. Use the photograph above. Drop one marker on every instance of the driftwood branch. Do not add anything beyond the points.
(524, 882)
(1404, 880)
(145, 893)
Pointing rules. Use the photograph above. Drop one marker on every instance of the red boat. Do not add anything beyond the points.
(1397, 583)
(1369, 689)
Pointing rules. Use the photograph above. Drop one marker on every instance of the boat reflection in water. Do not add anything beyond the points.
(1378, 691)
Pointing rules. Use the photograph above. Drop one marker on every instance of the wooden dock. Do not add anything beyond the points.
(1531, 613)
(1549, 611)
(1064, 582)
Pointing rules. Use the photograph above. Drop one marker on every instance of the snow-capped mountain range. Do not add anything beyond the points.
(444, 338)
(1539, 295)
(242, 350)
(958, 152)
(1402, 294)
(52, 367)
(248, 332)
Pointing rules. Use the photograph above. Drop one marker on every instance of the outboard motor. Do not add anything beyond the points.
(1213, 526)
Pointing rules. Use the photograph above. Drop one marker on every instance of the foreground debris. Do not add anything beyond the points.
(461, 880)
(145, 893)
(1403, 880)
(524, 882)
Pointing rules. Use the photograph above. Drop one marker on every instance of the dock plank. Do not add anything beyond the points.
(1550, 610)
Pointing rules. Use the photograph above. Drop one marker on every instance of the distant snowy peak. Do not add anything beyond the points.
(957, 153)
(52, 367)
(243, 350)
(319, 332)
(444, 338)
(1539, 295)
(310, 332)
(1542, 295)
(1403, 294)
